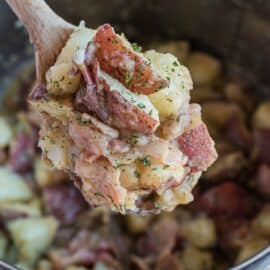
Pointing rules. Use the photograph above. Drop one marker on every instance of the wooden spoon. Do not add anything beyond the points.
(48, 32)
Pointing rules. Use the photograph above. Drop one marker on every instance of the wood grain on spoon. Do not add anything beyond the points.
(48, 32)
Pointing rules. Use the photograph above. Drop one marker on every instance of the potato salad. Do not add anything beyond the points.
(119, 122)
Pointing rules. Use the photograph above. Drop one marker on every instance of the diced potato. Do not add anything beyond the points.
(204, 93)
(156, 175)
(235, 92)
(261, 223)
(99, 266)
(6, 132)
(199, 232)
(32, 236)
(3, 245)
(218, 113)
(56, 146)
(45, 175)
(44, 265)
(250, 248)
(178, 48)
(31, 209)
(261, 117)
(195, 259)
(228, 165)
(60, 80)
(23, 266)
(13, 188)
(129, 177)
(60, 111)
(137, 224)
(170, 100)
(204, 68)
(78, 268)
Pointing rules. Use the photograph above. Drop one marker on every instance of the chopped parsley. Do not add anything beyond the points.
(141, 105)
(133, 140)
(128, 77)
(137, 174)
(145, 161)
(99, 194)
(136, 47)
(84, 122)
(150, 113)
(157, 205)
(117, 164)
(115, 41)
(165, 167)
(141, 68)
(175, 64)
(52, 141)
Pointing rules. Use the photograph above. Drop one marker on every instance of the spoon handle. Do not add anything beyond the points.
(48, 32)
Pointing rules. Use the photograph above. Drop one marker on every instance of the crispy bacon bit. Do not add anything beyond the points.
(262, 145)
(85, 250)
(225, 200)
(122, 63)
(238, 134)
(169, 262)
(160, 240)
(87, 137)
(100, 182)
(64, 202)
(40, 91)
(22, 150)
(198, 146)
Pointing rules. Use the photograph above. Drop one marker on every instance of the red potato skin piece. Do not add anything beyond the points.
(198, 146)
(112, 54)
(110, 106)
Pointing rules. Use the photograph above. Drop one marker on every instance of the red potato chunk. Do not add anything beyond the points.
(225, 200)
(124, 64)
(198, 146)
(114, 105)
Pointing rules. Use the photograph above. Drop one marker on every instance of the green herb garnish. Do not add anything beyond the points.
(137, 174)
(145, 161)
(175, 64)
(128, 77)
(136, 47)
(141, 106)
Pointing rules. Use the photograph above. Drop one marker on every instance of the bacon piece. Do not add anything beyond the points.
(100, 182)
(160, 241)
(263, 179)
(198, 146)
(261, 146)
(87, 137)
(122, 63)
(225, 200)
(22, 150)
(73, 205)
